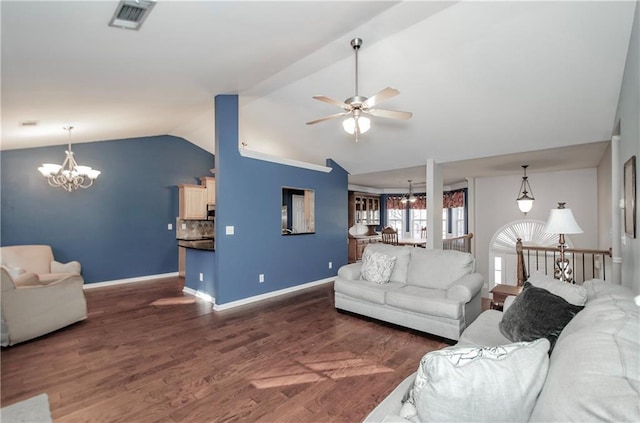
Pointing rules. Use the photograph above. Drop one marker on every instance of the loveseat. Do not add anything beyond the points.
(39, 294)
(591, 374)
(433, 291)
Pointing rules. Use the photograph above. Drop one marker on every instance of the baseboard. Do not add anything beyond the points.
(129, 280)
(202, 295)
(245, 301)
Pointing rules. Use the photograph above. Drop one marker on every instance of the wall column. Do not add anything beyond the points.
(616, 211)
(434, 205)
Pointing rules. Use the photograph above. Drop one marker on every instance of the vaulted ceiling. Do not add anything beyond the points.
(482, 78)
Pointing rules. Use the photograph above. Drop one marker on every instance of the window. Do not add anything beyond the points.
(453, 213)
(418, 221)
(502, 252)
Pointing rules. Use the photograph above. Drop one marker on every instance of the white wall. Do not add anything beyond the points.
(496, 206)
(628, 116)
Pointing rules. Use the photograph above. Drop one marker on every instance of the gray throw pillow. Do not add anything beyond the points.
(537, 313)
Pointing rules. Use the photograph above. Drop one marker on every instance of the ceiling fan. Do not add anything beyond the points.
(357, 106)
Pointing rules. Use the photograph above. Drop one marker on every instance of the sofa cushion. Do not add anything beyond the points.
(594, 371)
(424, 300)
(487, 384)
(26, 279)
(437, 268)
(402, 254)
(536, 313)
(376, 267)
(365, 290)
(484, 331)
(573, 294)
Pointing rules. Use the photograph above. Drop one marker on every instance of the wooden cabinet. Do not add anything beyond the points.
(364, 209)
(193, 202)
(357, 246)
(209, 183)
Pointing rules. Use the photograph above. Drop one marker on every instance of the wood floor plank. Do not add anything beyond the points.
(149, 353)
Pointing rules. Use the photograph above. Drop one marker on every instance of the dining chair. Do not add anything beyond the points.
(389, 236)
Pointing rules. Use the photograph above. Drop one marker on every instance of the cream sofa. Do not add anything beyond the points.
(39, 294)
(592, 373)
(433, 291)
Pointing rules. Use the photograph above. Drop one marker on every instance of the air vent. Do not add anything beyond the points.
(29, 123)
(130, 14)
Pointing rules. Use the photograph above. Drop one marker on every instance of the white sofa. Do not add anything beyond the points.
(433, 291)
(592, 374)
(39, 294)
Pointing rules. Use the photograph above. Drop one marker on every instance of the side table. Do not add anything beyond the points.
(501, 292)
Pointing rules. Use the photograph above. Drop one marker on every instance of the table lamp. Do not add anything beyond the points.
(561, 222)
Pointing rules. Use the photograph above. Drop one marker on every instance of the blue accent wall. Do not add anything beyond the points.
(117, 229)
(200, 261)
(248, 197)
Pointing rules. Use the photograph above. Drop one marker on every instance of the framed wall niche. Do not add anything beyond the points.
(298, 211)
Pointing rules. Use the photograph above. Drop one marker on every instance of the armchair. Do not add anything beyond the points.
(39, 294)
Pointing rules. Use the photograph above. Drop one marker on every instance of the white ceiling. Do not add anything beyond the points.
(483, 79)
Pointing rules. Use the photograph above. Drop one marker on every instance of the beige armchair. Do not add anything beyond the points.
(38, 298)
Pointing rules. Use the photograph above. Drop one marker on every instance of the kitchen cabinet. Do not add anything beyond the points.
(193, 202)
(209, 182)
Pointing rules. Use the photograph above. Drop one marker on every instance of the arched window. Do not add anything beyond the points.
(502, 249)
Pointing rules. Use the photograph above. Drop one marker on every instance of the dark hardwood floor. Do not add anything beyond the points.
(149, 353)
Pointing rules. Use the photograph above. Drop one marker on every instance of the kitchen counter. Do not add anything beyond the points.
(197, 244)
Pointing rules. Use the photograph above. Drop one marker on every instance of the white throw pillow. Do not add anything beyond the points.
(376, 267)
(573, 294)
(487, 384)
(14, 271)
(71, 267)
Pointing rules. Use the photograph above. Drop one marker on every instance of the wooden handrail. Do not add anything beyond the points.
(459, 243)
(521, 270)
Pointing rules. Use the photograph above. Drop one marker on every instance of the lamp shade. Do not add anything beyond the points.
(561, 221)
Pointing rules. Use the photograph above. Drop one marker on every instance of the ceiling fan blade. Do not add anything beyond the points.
(391, 114)
(332, 101)
(379, 97)
(327, 118)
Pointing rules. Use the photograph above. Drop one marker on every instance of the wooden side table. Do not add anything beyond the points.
(501, 292)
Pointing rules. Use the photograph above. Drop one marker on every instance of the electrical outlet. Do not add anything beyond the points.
(184, 226)
(229, 230)
(169, 227)
(201, 277)
(330, 265)
(261, 277)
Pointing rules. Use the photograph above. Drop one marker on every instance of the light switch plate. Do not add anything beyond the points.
(229, 230)
(170, 227)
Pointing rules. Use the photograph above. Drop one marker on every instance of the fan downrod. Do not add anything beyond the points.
(356, 43)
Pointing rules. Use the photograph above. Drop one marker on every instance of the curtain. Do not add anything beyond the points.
(420, 203)
(453, 199)
(394, 202)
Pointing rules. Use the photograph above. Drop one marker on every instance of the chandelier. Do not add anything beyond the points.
(525, 201)
(70, 176)
(411, 198)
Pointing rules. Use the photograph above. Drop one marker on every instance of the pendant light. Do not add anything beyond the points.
(525, 195)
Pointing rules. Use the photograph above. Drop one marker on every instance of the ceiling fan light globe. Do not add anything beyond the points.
(349, 125)
(364, 123)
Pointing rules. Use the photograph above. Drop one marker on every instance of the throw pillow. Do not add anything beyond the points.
(14, 271)
(376, 267)
(71, 267)
(574, 294)
(537, 313)
(490, 384)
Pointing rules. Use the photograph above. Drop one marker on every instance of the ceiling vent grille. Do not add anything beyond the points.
(130, 14)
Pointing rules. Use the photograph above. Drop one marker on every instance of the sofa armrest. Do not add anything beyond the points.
(350, 272)
(465, 288)
(71, 267)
